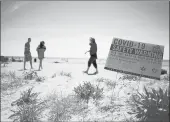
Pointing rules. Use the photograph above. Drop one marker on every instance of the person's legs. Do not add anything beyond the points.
(29, 58)
(31, 63)
(41, 64)
(95, 65)
(24, 63)
(89, 64)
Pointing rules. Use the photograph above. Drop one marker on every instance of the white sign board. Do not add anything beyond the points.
(136, 58)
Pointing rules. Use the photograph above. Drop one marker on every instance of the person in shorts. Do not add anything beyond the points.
(27, 54)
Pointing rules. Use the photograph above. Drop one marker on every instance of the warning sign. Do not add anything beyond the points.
(136, 58)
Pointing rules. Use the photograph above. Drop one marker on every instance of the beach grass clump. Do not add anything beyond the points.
(130, 120)
(31, 75)
(110, 106)
(166, 77)
(9, 81)
(28, 107)
(54, 75)
(110, 84)
(11, 75)
(106, 108)
(87, 90)
(100, 80)
(65, 74)
(130, 77)
(151, 105)
(40, 79)
(62, 108)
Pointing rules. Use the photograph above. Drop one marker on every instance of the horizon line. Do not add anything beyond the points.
(60, 57)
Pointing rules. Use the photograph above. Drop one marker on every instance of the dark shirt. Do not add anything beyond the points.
(93, 50)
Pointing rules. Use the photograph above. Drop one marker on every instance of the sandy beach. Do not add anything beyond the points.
(55, 82)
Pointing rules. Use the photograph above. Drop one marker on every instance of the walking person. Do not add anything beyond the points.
(40, 50)
(93, 55)
(27, 53)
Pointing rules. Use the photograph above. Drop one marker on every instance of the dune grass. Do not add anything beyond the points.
(62, 108)
(130, 77)
(67, 74)
(54, 75)
(166, 77)
(29, 107)
(32, 75)
(151, 105)
(110, 84)
(9, 81)
(87, 91)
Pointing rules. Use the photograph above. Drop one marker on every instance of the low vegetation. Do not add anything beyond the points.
(130, 77)
(65, 74)
(9, 81)
(166, 78)
(54, 75)
(32, 75)
(62, 108)
(151, 105)
(28, 107)
(110, 84)
(87, 91)
(40, 79)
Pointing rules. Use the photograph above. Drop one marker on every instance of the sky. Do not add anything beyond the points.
(66, 26)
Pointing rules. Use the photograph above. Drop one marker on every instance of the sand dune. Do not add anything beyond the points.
(65, 85)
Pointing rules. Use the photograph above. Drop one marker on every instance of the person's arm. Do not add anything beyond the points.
(87, 51)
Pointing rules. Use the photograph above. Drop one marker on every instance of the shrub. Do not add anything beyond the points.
(29, 107)
(59, 110)
(152, 105)
(130, 77)
(100, 80)
(53, 76)
(110, 84)
(130, 120)
(26, 97)
(166, 77)
(98, 93)
(87, 90)
(62, 108)
(65, 74)
(30, 75)
(10, 81)
(40, 79)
